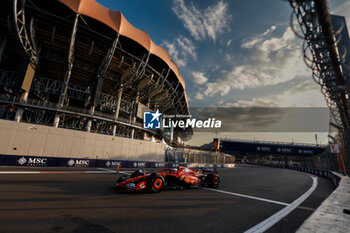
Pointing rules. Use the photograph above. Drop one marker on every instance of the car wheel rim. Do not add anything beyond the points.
(157, 183)
(216, 180)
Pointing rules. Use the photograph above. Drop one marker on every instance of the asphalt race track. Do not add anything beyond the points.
(86, 202)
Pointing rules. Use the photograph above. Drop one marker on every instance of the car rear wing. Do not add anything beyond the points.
(209, 170)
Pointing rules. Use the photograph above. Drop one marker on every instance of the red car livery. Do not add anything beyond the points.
(179, 178)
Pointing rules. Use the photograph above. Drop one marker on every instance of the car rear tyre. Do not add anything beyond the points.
(155, 183)
(212, 180)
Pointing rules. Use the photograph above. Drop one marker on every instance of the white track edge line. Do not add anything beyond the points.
(105, 169)
(272, 220)
(53, 172)
(247, 196)
(19, 172)
(125, 172)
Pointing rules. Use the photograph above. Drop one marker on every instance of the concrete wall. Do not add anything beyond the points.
(18, 138)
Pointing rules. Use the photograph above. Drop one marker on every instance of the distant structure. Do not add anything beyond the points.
(263, 148)
(343, 45)
(75, 79)
(326, 53)
(78, 65)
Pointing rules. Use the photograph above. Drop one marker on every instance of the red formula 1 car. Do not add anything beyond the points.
(179, 178)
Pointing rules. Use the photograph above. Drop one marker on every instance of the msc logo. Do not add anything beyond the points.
(32, 161)
(151, 120)
(78, 163)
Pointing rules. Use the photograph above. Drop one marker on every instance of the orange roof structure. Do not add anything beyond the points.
(116, 21)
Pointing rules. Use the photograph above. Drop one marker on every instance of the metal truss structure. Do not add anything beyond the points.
(44, 87)
(87, 76)
(7, 111)
(7, 79)
(321, 55)
(20, 24)
(37, 116)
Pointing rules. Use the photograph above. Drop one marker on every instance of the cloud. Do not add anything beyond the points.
(199, 78)
(180, 50)
(213, 88)
(270, 60)
(186, 46)
(202, 24)
(250, 43)
(254, 102)
(305, 94)
(199, 96)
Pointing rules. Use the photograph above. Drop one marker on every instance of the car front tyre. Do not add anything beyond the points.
(155, 183)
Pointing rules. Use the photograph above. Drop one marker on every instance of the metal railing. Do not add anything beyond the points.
(39, 104)
(272, 142)
(175, 154)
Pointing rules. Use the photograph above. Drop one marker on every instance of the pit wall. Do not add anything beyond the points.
(17, 138)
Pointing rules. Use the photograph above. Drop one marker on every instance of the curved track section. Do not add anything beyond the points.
(66, 200)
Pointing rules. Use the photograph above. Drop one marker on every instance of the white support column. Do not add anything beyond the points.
(134, 117)
(27, 72)
(89, 123)
(120, 93)
(148, 106)
(171, 135)
(20, 110)
(69, 70)
(56, 120)
(70, 63)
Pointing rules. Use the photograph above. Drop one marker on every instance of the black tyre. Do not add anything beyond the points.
(212, 180)
(155, 183)
(137, 173)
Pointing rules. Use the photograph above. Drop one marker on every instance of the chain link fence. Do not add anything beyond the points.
(189, 155)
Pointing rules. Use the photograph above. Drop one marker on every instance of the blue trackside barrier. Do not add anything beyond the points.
(42, 161)
(39, 161)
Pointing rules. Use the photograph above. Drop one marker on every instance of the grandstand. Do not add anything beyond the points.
(78, 65)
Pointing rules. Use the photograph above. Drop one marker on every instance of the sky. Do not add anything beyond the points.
(233, 54)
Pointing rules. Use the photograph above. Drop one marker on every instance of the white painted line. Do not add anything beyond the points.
(114, 171)
(98, 172)
(122, 172)
(126, 172)
(54, 172)
(246, 196)
(269, 222)
(105, 169)
(19, 172)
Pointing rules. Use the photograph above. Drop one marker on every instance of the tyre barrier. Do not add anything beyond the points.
(41, 161)
(335, 179)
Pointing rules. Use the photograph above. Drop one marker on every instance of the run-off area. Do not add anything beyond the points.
(75, 200)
